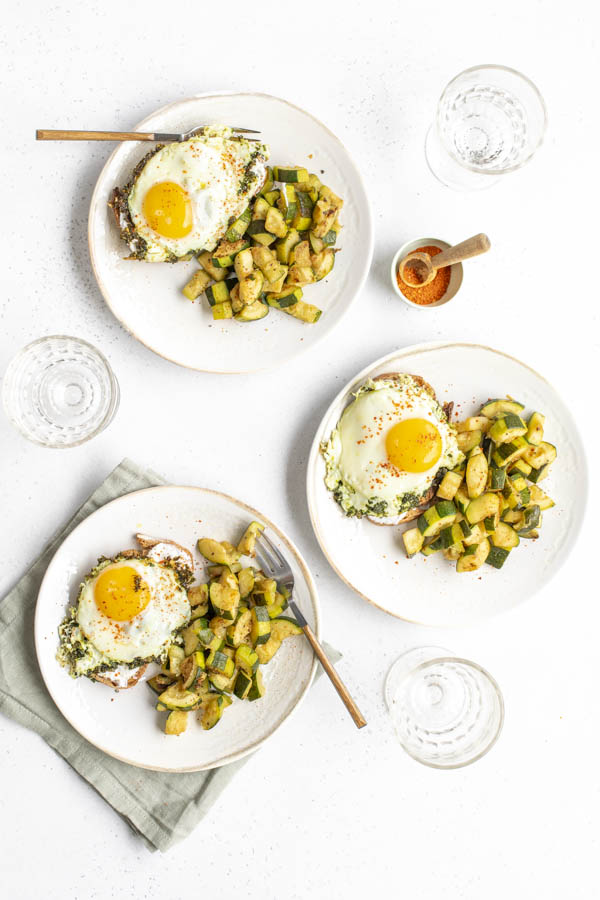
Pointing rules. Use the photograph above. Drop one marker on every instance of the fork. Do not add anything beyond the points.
(275, 566)
(45, 134)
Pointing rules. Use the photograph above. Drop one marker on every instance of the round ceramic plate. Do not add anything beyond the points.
(147, 298)
(371, 558)
(125, 724)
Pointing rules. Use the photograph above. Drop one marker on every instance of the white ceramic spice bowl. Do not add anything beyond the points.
(456, 272)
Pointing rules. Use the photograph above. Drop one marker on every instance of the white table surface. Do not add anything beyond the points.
(322, 811)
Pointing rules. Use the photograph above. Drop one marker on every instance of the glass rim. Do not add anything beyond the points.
(110, 413)
(496, 689)
(498, 68)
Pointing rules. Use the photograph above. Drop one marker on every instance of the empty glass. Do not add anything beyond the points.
(60, 391)
(490, 120)
(447, 711)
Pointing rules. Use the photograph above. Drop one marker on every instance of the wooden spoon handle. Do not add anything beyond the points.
(335, 679)
(45, 134)
(473, 246)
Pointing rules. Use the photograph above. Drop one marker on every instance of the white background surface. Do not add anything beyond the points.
(322, 811)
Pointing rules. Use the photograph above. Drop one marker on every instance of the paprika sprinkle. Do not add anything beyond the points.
(429, 293)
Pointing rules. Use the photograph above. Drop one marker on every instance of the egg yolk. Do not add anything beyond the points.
(168, 210)
(121, 593)
(413, 445)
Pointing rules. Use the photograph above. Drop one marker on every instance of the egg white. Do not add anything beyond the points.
(358, 470)
(220, 176)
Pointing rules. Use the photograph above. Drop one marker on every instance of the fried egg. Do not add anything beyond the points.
(389, 445)
(182, 197)
(126, 613)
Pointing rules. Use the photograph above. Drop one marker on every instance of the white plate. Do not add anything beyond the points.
(371, 558)
(125, 724)
(147, 298)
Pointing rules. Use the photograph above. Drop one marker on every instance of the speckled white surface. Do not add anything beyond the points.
(341, 805)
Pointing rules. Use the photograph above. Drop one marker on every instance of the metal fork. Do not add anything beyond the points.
(45, 134)
(275, 566)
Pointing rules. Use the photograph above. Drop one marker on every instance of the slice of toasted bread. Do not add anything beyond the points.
(116, 683)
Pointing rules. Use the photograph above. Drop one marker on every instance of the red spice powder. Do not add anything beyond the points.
(431, 292)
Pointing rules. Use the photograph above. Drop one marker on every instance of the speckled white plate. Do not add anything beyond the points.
(125, 724)
(147, 298)
(371, 559)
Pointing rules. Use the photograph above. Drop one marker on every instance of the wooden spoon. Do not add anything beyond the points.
(425, 267)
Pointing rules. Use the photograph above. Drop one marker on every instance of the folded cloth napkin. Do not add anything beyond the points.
(161, 807)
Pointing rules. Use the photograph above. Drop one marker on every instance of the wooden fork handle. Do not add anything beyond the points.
(473, 246)
(45, 134)
(335, 679)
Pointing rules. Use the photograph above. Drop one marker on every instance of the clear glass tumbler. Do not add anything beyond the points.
(447, 711)
(60, 391)
(490, 120)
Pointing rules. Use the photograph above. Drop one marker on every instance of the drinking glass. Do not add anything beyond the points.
(490, 120)
(447, 711)
(60, 391)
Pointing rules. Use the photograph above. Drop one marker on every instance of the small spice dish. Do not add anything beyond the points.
(456, 272)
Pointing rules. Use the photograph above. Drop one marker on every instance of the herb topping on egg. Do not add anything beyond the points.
(182, 196)
(392, 442)
(127, 612)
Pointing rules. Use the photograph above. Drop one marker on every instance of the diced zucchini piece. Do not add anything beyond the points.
(330, 238)
(275, 223)
(535, 428)
(494, 408)
(275, 287)
(287, 202)
(531, 518)
(431, 522)
(452, 535)
(225, 600)
(238, 229)
(217, 293)
(219, 662)
(272, 197)
(322, 263)
(301, 254)
(530, 535)
(449, 485)
(284, 247)
(497, 556)
(522, 467)
(252, 312)
(258, 232)
(191, 641)
(214, 552)
(482, 507)
(476, 474)
(222, 310)
(430, 549)
(269, 182)
(306, 312)
(175, 697)
(160, 682)
(316, 244)
(266, 262)
(496, 478)
(300, 275)
(413, 541)
(189, 671)
(276, 608)
(303, 218)
(539, 456)
(243, 263)
(246, 658)
(212, 710)
(175, 656)
(475, 555)
(258, 689)
(251, 287)
(505, 454)
(537, 475)
(246, 582)
(477, 535)
(242, 685)
(507, 428)
(247, 543)
(176, 722)
(218, 625)
(539, 498)
(505, 536)
(489, 524)
(461, 499)
(241, 632)
(453, 553)
(474, 423)
(468, 439)
(265, 652)
(197, 284)
(290, 174)
(216, 273)
(260, 209)
(284, 627)
(287, 297)
(198, 597)
(261, 625)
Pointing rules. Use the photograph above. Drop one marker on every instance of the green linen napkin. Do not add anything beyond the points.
(161, 807)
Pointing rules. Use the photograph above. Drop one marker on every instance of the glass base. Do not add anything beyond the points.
(449, 172)
(447, 711)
